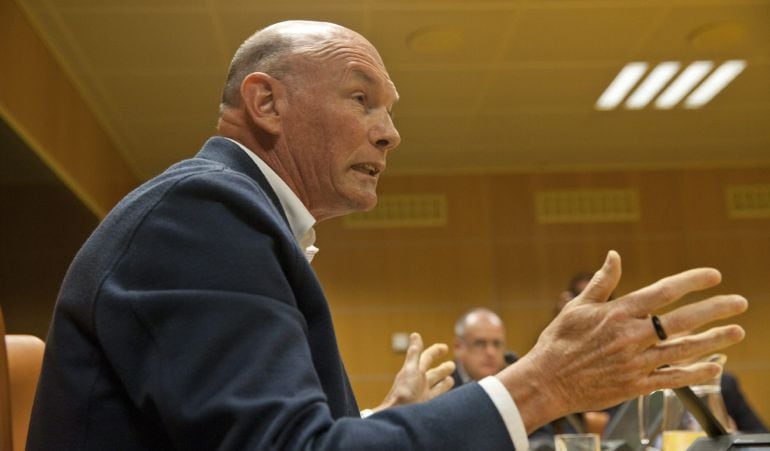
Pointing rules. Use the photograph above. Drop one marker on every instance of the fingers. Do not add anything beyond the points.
(681, 375)
(605, 280)
(443, 386)
(667, 290)
(693, 316)
(432, 354)
(418, 381)
(692, 346)
(435, 375)
(413, 351)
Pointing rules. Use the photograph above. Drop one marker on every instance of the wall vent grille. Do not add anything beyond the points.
(414, 210)
(587, 206)
(748, 201)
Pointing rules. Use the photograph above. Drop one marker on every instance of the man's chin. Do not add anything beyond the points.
(364, 201)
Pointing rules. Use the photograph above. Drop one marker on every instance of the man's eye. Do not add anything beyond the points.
(360, 98)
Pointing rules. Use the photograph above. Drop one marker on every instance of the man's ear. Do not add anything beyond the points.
(261, 93)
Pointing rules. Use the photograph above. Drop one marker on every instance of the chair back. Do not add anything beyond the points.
(21, 358)
(25, 359)
(6, 440)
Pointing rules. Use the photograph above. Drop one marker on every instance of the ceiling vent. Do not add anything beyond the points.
(587, 206)
(415, 210)
(748, 201)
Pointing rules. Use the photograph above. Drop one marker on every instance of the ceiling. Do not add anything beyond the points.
(485, 85)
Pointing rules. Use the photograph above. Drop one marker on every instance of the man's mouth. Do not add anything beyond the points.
(370, 169)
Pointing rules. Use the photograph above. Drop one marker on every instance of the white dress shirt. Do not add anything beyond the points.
(301, 222)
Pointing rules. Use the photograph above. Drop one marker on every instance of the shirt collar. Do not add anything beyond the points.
(301, 222)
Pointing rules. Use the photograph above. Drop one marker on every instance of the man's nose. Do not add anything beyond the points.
(384, 134)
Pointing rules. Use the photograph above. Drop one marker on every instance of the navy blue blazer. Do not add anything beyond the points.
(190, 319)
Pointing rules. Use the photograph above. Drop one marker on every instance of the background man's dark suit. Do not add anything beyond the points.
(737, 406)
(190, 319)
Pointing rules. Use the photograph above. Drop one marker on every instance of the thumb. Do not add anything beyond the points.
(604, 282)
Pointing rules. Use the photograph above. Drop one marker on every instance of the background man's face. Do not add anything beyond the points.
(481, 350)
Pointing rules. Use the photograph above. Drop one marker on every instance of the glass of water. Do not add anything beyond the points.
(577, 442)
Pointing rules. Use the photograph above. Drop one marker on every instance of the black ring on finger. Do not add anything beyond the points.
(658, 328)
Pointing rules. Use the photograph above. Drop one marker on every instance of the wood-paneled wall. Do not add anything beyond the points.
(494, 253)
(38, 101)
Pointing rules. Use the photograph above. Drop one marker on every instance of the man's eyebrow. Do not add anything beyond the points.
(363, 76)
(371, 81)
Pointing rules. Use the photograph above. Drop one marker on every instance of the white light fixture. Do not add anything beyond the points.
(684, 85)
(621, 85)
(651, 85)
(680, 87)
(717, 81)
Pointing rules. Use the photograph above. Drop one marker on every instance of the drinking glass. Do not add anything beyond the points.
(577, 442)
(650, 416)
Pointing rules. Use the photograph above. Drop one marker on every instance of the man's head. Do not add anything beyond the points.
(479, 343)
(314, 101)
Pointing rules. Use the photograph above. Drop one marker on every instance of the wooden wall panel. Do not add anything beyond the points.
(40, 103)
(494, 253)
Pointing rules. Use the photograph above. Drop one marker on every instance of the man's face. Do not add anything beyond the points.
(338, 128)
(481, 350)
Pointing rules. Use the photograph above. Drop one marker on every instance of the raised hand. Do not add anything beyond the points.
(419, 380)
(597, 353)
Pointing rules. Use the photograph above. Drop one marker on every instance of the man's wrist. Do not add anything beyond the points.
(525, 384)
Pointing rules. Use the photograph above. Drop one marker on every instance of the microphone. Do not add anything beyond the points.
(698, 409)
(718, 438)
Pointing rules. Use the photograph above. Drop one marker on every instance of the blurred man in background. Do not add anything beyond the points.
(479, 346)
(480, 351)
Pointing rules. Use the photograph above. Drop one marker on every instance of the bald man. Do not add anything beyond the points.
(480, 352)
(479, 346)
(192, 319)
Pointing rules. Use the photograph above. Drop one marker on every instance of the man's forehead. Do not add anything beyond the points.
(369, 75)
(333, 45)
(484, 325)
(486, 330)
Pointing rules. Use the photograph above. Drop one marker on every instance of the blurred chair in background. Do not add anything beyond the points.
(21, 357)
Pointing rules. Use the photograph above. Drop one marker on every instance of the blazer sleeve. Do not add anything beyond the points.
(198, 318)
